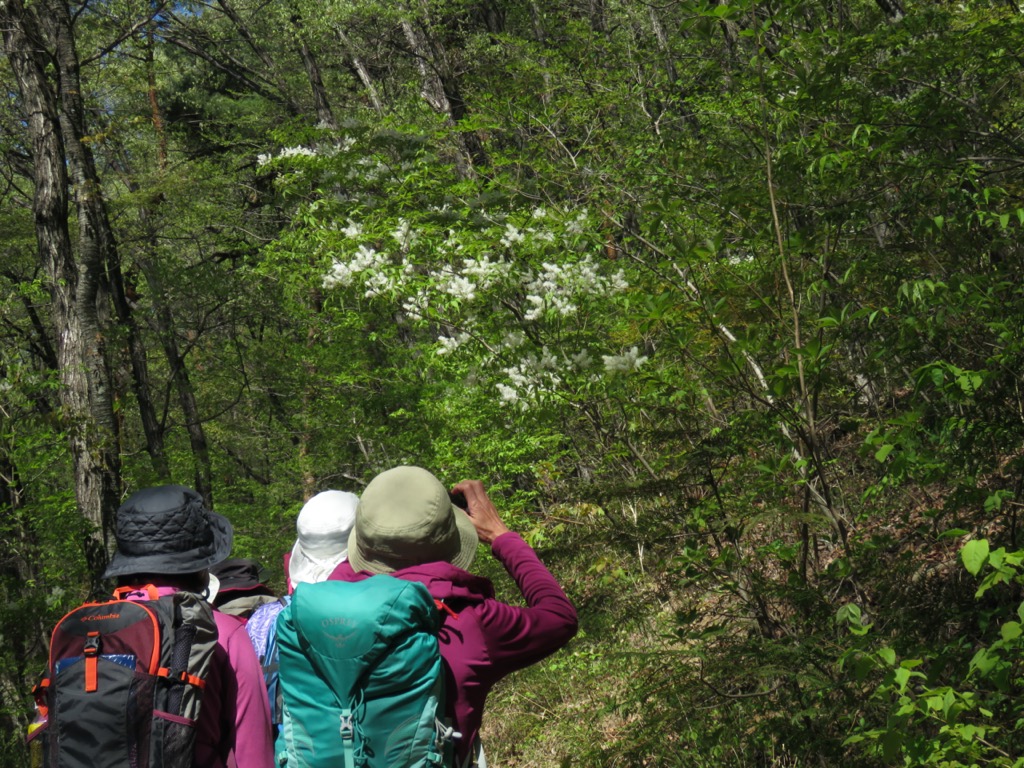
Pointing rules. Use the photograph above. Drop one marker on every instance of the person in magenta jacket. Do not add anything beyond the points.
(407, 525)
(166, 537)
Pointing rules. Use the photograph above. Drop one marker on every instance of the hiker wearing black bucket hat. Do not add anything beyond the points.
(166, 537)
(412, 527)
(238, 587)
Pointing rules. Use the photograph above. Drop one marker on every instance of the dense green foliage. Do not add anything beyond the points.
(723, 299)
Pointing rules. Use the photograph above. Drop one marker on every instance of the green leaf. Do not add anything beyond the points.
(974, 555)
(1010, 630)
(888, 655)
(902, 677)
(883, 452)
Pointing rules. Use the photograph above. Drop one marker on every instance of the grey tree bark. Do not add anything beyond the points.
(85, 394)
(440, 85)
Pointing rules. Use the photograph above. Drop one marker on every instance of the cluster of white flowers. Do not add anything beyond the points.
(508, 394)
(459, 287)
(630, 361)
(558, 284)
(485, 271)
(578, 225)
(555, 289)
(449, 344)
(531, 377)
(416, 306)
(325, 150)
(379, 283)
(343, 273)
(284, 154)
(512, 235)
(581, 360)
(512, 340)
(403, 235)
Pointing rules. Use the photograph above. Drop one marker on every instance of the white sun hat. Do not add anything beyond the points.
(323, 527)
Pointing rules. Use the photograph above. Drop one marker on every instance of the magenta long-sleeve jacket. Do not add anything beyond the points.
(487, 639)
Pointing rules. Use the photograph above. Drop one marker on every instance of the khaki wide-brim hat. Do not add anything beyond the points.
(405, 517)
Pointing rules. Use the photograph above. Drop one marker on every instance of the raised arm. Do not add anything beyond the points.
(518, 637)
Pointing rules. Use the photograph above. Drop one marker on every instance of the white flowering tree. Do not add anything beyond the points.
(501, 305)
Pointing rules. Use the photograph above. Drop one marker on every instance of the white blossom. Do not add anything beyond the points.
(513, 340)
(416, 306)
(486, 272)
(450, 343)
(460, 288)
(343, 273)
(537, 308)
(582, 360)
(577, 225)
(617, 282)
(403, 234)
(508, 394)
(627, 362)
(351, 229)
(539, 212)
(340, 274)
(547, 361)
(296, 152)
(512, 235)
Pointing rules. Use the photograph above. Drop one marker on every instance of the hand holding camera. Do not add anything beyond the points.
(479, 508)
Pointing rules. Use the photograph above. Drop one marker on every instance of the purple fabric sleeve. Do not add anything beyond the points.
(517, 637)
(253, 747)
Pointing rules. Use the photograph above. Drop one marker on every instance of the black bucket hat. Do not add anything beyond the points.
(240, 574)
(168, 530)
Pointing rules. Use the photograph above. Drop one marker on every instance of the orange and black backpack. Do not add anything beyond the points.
(124, 684)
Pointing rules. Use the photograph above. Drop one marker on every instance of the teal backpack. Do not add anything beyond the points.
(361, 677)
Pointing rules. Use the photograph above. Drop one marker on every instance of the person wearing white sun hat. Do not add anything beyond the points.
(323, 528)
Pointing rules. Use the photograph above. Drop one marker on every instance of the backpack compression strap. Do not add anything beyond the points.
(180, 676)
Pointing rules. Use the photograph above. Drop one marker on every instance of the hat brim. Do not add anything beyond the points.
(302, 568)
(468, 542)
(212, 589)
(175, 563)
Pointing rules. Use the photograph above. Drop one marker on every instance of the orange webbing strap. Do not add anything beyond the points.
(92, 652)
(183, 677)
(149, 589)
(442, 606)
(39, 694)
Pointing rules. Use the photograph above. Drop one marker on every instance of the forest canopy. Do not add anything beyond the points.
(723, 299)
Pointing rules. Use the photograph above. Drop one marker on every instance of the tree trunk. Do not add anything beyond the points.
(441, 89)
(84, 388)
(361, 71)
(163, 317)
(324, 114)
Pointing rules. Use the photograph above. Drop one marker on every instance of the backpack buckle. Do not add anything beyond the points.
(347, 728)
